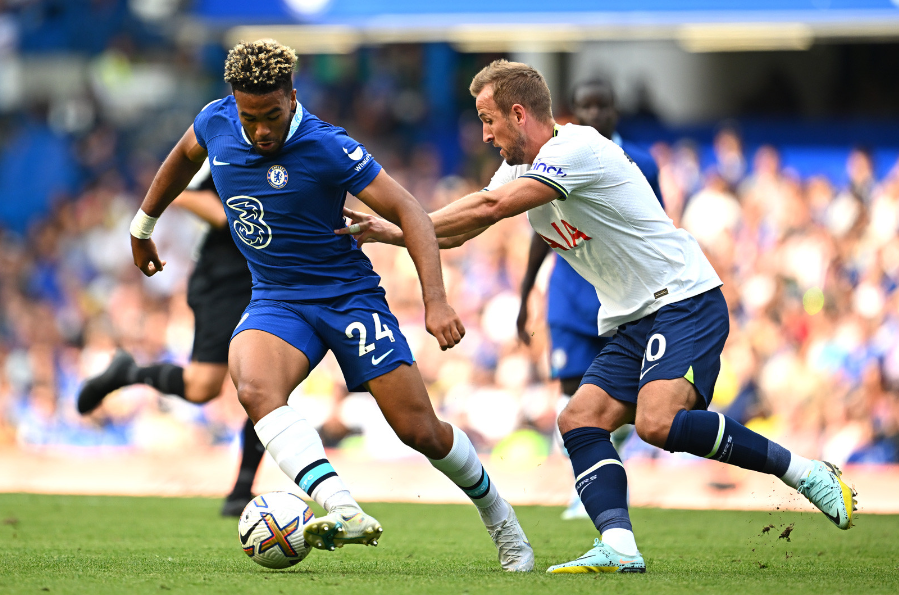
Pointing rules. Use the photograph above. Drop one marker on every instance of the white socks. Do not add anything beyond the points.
(797, 471)
(298, 450)
(464, 468)
(620, 540)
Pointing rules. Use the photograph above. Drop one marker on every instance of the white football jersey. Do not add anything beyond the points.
(608, 224)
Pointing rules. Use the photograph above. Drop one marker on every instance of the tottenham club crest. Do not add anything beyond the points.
(277, 177)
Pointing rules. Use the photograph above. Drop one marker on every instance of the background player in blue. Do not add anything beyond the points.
(571, 303)
(283, 176)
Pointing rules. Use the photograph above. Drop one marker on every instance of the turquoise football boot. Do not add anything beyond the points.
(824, 488)
(601, 558)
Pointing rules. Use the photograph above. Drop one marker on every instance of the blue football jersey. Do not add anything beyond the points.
(571, 300)
(283, 209)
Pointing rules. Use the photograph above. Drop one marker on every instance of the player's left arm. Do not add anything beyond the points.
(482, 209)
(386, 197)
(172, 178)
(465, 218)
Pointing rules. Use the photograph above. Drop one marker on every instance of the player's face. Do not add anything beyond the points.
(499, 129)
(594, 105)
(266, 118)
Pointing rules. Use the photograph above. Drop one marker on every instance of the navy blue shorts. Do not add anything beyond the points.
(681, 340)
(572, 352)
(359, 328)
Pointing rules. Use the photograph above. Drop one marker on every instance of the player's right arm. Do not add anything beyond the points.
(172, 178)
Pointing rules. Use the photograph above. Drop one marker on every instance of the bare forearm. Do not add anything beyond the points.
(470, 213)
(170, 181)
(456, 241)
(175, 174)
(536, 255)
(419, 239)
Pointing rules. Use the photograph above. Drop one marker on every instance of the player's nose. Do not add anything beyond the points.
(487, 134)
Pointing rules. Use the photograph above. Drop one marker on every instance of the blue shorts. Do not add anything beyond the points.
(572, 352)
(681, 340)
(359, 328)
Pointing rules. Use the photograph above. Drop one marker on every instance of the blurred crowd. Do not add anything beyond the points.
(809, 267)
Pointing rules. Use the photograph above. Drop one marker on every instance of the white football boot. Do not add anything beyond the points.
(343, 525)
(515, 552)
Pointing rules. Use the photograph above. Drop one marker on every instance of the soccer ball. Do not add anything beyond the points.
(270, 529)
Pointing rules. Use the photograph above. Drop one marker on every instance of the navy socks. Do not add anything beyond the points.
(715, 436)
(600, 479)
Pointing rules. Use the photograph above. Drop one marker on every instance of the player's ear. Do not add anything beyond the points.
(293, 100)
(518, 113)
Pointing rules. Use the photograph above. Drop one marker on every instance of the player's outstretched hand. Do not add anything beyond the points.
(370, 228)
(443, 322)
(145, 256)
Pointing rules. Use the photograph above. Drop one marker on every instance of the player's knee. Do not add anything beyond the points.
(653, 429)
(422, 439)
(252, 395)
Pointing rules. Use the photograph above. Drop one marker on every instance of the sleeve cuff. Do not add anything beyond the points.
(563, 194)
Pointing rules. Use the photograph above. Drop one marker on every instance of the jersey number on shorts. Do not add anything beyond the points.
(381, 331)
(649, 356)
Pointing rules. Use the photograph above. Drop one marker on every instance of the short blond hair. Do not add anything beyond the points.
(514, 82)
(260, 67)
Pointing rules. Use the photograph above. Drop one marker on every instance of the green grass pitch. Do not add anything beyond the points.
(99, 545)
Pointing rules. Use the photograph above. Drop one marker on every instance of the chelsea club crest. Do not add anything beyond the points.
(277, 177)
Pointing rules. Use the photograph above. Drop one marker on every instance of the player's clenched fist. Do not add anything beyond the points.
(145, 256)
(443, 322)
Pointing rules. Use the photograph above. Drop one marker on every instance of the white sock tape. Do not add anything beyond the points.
(142, 225)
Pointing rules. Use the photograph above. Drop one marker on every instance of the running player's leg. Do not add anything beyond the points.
(403, 398)
(682, 364)
(600, 479)
(572, 354)
(605, 401)
(374, 355)
(266, 368)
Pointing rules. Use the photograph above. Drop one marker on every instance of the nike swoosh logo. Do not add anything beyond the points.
(244, 317)
(244, 538)
(647, 370)
(377, 360)
(356, 155)
(835, 519)
(215, 161)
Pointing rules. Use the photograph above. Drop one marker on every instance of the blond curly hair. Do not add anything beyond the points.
(260, 67)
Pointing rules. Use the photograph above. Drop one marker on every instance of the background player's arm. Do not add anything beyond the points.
(536, 255)
(205, 204)
(172, 178)
(390, 200)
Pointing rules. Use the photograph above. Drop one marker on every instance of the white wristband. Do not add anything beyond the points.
(142, 225)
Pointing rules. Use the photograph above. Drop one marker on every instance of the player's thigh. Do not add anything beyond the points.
(203, 381)
(593, 407)
(363, 334)
(685, 342)
(272, 350)
(681, 362)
